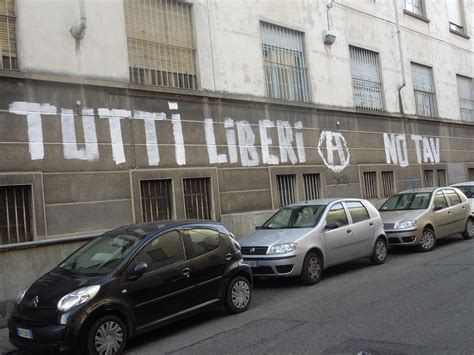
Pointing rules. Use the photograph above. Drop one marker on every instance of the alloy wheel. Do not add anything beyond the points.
(314, 268)
(427, 240)
(381, 250)
(470, 228)
(109, 338)
(240, 294)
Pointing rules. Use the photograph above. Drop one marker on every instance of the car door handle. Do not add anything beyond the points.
(228, 256)
(449, 212)
(371, 224)
(349, 231)
(186, 272)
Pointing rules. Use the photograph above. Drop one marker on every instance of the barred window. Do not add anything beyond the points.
(370, 185)
(312, 186)
(284, 64)
(160, 43)
(470, 173)
(366, 79)
(455, 14)
(388, 183)
(15, 214)
(424, 90)
(466, 97)
(197, 198)
(286, 189)
(428, 178)
(415, 6)
(156, 196)
(8, 35)
(441, 177)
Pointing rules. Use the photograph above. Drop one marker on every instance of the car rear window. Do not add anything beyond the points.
(453, 197)
(358, 211)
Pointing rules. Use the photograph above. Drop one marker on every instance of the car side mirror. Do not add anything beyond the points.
(137, 270)
(332, 226)
(258, 227)
(438, 207)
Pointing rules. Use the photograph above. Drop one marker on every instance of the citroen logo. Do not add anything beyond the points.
(252, 250)
(34, 302)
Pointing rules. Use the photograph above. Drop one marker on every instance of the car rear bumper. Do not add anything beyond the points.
(275, 266)
(411, 237)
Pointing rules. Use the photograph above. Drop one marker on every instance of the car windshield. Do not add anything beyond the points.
(407, 201)
(467, 190)
(295, 217)
(101, 255)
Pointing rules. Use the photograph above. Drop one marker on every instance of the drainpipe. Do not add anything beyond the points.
(78, 31)
(402, 61)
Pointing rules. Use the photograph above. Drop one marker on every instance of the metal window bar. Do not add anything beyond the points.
(197, 198)
(370, 185)
(8, 36)
(441, 177)
(424, 90)
(286, 189)
(15, 214)
(388, 184)
(470, 173)
(428, 178)
(160, 43)
(284, 65)
(156, 198)
(366, 79)
(312, 186)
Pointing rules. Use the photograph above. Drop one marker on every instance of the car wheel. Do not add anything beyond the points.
(428, 240)
(107, 335)
(469, 231)
(380, 252)
(312, 269)
(238, 295)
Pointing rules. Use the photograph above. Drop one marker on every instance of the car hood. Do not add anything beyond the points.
(398, 216)
(268, 237)
(53, 286)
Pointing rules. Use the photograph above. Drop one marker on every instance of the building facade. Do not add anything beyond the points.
(122, 111)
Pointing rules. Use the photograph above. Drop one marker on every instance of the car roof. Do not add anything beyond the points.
(421, 189)
(322, 201)
(466, 183)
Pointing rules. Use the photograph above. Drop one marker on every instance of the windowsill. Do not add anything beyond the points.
(462, 34)
(419, 17)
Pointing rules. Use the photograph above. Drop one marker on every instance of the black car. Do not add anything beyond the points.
(128, 281)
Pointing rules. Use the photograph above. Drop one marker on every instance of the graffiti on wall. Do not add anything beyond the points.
(240, 136)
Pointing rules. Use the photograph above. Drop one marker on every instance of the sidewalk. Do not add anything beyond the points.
(5, 346)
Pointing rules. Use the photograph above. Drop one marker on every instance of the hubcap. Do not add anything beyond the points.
(427, 240)
(470, 228)
(381, 250)
(108, 338)
(314, 268)
(240, 294)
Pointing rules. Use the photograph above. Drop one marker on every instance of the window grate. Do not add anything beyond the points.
(414, 6)
(284, 64)
(428, 178)
(470, 173)
(8, 35)
(366, 79)
(370, 185)
(160, 43)
(441, 177)
(286, 189)
(15, 214)
(388, 183)
(466, 97)
(312, 186)
(197, 198)
(424, 90)
(156, 199)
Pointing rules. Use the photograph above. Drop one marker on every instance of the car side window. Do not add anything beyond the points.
(440, 200)
(358, 211)
(337, 215)
(201, 241)
(162, 251)
(453, 197)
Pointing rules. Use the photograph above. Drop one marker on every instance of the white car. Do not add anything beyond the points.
(468, 189)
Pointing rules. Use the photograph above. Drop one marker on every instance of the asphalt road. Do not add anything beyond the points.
(416, 303)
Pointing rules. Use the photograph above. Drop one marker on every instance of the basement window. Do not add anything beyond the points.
(286, 189)
(197, 198)
(15, 214)
(156, 199)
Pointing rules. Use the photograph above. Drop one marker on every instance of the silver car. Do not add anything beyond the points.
(467, 189)
(304, 238)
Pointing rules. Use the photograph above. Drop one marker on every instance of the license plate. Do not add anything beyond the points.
(252, 263)
(24, 333)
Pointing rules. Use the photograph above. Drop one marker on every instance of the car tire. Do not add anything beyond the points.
(109, 332)
(380, 252)
(428, 240)
(469, 230)
(312, 269)
(238, 295)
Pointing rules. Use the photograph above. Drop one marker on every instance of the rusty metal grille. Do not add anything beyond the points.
(15, 214)
(286, 189)
(388, 183)
(156, 196)
(441, 177)
(197, 198)
(8, 35)
(466, 97)
(414, 6)
(370, 185)
(366, 79)
(160, 43)
(424, 90)
(312, 186)
(428, 178)
(284, 64)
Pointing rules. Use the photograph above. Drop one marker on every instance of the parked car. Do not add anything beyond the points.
(467, 189)
(304, 238)
(422, 216)
(128, 281)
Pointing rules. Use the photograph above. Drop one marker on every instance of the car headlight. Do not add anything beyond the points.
(282, 248)
(405, 224)
(77, 297)
(21, 295)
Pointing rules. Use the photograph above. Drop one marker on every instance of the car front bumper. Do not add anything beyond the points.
(285, 265)
(403, 237)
